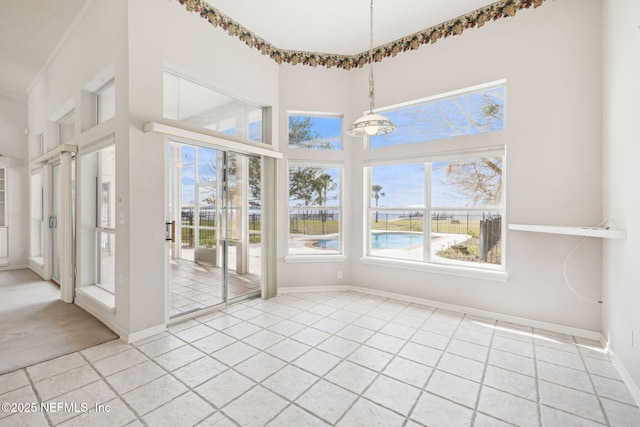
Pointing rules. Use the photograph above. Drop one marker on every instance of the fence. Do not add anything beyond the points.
(485, 226)
(490, 234)
(441, 222)
(319, 222)
(207, 236)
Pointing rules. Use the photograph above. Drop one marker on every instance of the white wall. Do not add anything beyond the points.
(165, 33)
(553, 136)
(621, 271)
(138, 38)
(98, 40)
(325, 91)
(553, 70)
(13, 144)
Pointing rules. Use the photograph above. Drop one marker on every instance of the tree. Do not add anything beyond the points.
(376, 191)
(302, 134)
(478, 180)
(322, 184)
(309, 185)
(302, 179)
(472, 113)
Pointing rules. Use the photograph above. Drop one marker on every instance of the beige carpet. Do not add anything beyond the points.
(36, 326)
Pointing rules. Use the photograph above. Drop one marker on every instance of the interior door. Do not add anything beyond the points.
(208, 230)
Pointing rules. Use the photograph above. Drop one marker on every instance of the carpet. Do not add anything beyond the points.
(36, 326)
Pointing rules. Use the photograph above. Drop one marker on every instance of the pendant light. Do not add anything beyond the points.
(371, 124)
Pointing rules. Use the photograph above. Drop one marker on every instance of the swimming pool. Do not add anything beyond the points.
(380, 241)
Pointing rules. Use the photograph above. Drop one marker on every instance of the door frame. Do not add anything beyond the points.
(172, 193)
(62, 154)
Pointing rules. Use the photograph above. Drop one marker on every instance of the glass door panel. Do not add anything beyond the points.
(214, 204)
(196, 280)
(243, 237)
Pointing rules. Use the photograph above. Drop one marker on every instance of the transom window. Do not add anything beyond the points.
(106, 102)
(198, 105)
(469, 111)
(66, 128)
(315, 131)
(442, 209)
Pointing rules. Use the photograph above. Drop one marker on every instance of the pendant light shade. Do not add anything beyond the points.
(371, 124)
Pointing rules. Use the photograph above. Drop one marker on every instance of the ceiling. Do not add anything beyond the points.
(340, 26)
(31, 30)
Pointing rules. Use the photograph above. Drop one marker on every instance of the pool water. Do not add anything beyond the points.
(380, 241)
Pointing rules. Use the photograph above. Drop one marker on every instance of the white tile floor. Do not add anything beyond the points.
(198, 286)
(330, 358)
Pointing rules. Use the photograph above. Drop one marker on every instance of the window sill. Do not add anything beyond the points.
(98, 295)
(314, 258)
(452, 270)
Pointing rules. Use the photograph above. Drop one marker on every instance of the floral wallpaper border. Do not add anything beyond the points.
(475, 19)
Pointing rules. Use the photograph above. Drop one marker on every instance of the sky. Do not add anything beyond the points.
(462, 114)
(398, 191)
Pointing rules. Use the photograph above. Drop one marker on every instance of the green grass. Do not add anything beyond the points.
(472, 227)
(313, 226)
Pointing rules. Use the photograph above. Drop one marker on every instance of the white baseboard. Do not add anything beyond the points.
(13, 267)
(292, 289)
(145, 333)
(107, 317)
(582, 333)
(634, 388)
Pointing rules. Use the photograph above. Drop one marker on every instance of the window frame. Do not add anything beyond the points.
(60, 122)
(460, 268)
(37, 215)
(110, 84)
(317, 257)
(442, 96)
(245, 135)
(101, 229)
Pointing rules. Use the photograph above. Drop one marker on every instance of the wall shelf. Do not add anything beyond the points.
(602, 232)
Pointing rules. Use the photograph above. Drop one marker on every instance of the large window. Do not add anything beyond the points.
(315, 208)
(198, 105)
(315, 131)
(442, 209)
(37, 215)
(468, 111)
(98, 227)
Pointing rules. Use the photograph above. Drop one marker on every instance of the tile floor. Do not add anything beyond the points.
(330, 358)
(197, 286)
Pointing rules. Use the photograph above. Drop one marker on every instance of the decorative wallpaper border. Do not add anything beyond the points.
(454, 27)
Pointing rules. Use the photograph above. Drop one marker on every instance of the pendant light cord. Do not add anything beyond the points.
(371, 94)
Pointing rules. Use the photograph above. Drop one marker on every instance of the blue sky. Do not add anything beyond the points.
(462, 114)
(403, 185)
(393, 179)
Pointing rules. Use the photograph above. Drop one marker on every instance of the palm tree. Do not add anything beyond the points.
(376, 190)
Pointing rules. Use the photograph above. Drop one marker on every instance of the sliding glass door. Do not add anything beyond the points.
(213, 229)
